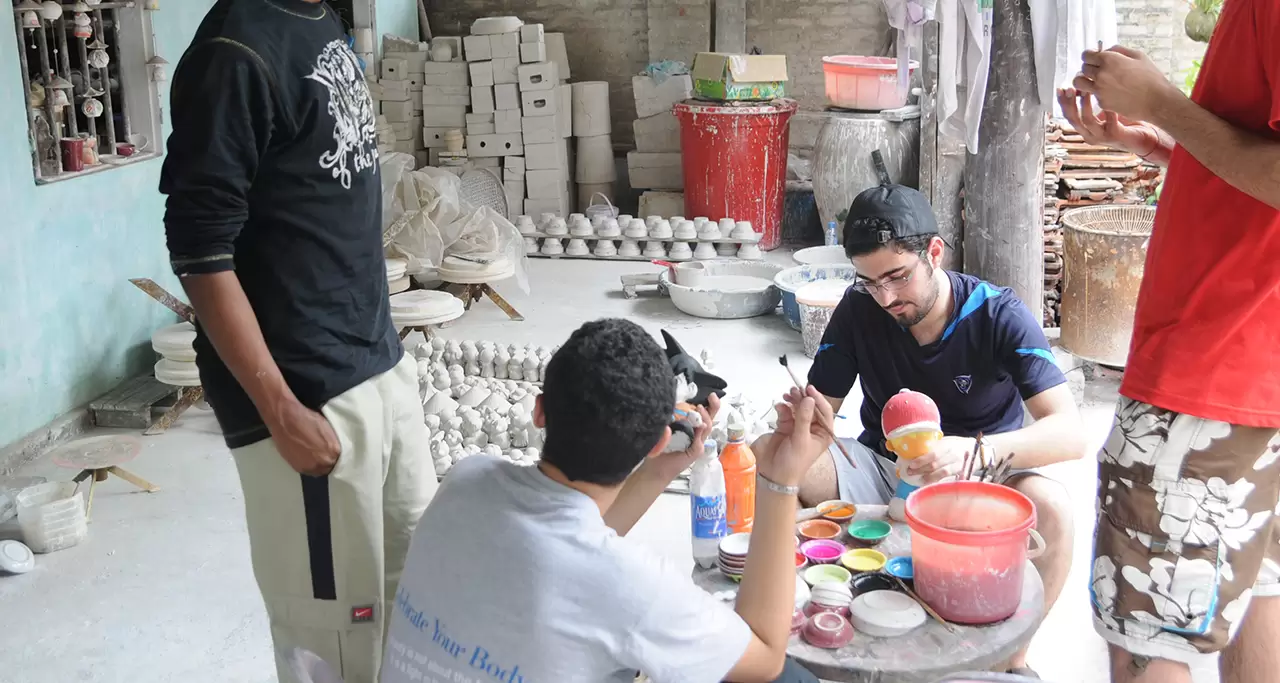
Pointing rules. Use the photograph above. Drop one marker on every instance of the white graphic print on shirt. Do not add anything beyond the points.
(355, 132)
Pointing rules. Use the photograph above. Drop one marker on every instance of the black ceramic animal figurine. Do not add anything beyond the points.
(693, 387)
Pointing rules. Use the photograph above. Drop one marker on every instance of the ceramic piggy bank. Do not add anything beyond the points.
(911, 424)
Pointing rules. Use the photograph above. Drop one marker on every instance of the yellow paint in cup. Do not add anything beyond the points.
(863, 560)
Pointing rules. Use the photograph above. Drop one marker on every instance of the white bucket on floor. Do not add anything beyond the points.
(817, 301)
(51, 516)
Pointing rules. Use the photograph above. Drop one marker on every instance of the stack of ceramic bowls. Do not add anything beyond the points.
(177, 365)
(732, 558)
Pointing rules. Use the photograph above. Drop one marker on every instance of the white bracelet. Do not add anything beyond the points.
(776, 487)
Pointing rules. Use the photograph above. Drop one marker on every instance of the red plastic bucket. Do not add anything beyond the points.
(735, 162)
(969, 549)
(865, 83)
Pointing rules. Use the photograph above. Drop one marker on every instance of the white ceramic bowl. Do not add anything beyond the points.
(827, 255)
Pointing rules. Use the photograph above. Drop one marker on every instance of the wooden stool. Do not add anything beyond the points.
(99, 457)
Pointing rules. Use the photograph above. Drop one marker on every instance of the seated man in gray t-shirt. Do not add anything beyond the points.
(522, 574)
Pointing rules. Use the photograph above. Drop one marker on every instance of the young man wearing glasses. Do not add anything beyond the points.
(973, 347)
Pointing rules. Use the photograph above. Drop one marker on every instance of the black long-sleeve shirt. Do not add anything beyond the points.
(272, 171)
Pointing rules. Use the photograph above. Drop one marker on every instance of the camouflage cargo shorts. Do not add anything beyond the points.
(1188, 531)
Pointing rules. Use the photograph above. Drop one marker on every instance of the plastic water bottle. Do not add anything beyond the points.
(832, 234)
(707, 500)
(739, 465)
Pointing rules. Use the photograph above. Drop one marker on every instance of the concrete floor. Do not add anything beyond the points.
(162, 589)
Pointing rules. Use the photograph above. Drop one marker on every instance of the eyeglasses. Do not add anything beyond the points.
(892, 284)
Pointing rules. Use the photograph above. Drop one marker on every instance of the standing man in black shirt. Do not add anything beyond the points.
(274, 226)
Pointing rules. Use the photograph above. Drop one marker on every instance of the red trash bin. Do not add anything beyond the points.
(735, 162)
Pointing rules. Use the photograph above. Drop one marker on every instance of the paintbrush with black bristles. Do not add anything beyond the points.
(782, 360)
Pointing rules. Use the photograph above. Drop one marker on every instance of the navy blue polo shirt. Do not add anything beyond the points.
(991, 356)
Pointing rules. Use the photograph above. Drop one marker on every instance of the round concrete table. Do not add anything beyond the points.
(927, 654)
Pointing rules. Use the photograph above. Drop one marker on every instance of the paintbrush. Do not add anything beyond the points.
(901, 584)
(782, 360)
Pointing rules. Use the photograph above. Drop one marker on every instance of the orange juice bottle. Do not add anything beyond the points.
(739, 465)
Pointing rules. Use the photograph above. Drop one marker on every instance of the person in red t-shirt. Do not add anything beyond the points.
(1188, 541)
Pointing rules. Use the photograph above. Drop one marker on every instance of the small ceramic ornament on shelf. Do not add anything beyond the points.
(680, 251)
(706, 251)
(654, 250)
(551, 246)
(709, 231)
(525, 225)
(577, 247)
(726, 227)
(741, 231)
(676, 220)
(636, 229)
(629, 248)
(651, 221)
(609, 228)
(726, 250)
(750, 252)
(624, 220)
(580, 227)
(530, 245)
(557, 227)
(605, 248)
(544, 221)
(574, 217)
(684, 230)
(661, 230)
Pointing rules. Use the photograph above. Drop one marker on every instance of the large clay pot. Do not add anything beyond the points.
(842, 165)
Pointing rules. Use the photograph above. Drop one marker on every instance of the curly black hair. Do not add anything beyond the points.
(607, 397)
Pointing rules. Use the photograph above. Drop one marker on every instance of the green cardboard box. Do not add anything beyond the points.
(724, 77)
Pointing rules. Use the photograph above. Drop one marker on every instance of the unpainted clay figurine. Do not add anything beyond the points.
(457, 453)
(500, 360)
(437, 344)
(422, 351)
(441, 379)
(452, 352)
(456, 374)
(453, 438)
(478, 439)
(433, 423)
(515, 369)
(442, 465)
(440, 449)
(530, 368)
(502, 440)
(471, 424)
(533, 436)
(532, 453)
(493, 451)
(497, 424)
(515, 455)
(486, 362)
(453, 423)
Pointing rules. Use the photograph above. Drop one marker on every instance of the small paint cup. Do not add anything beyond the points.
(863, 560)
(837, 511)
(902, 568)
(821, 573)
(822, 551)
(869, 532)
(817, 529)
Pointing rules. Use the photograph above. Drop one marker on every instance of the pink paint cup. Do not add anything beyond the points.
(822, 551)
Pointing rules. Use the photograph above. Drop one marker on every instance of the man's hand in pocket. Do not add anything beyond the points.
(305, 439)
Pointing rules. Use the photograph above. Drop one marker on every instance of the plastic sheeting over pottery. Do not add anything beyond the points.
(425, 219)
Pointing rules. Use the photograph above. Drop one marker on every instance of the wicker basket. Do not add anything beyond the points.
(1114, 219)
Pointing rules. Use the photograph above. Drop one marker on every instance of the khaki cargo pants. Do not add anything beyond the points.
(328, 551)
(1187, 531)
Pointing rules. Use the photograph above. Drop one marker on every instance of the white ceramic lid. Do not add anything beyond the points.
(886, 614)
(16, 558)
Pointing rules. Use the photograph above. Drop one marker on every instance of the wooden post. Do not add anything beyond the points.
(1004, 181)
(942, 158)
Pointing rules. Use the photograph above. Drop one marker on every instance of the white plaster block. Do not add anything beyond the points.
(657, 203)
(654, 98)
(446, 95)
(494, 145)
(515, 198)
(486, 162)
(540, 103)
(544, 183)
(408, 130)
(446, 73)
(533, 52)
(405, 146)
(394, 68)
(479, 118)
(540, 129)
(541, 76)
(397, 111)
(544, 155)
(505, 70)
(658, 133)
(395, 90)
(507, 121)
(481, 73)
(564, 110)
(481, 129)
(655, 170)
(506, 96)
(536, 207)
(557, 54)
(514, 165)
(505, 45)
(455, 47)
(433, 138)
(532, 33)
(454, 117)
(482, 99)
(477, 48)
(415, 62)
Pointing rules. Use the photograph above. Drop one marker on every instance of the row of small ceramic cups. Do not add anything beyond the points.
(680, 251)
(652, 227)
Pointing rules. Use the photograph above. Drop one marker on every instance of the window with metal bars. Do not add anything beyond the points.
(89, 71)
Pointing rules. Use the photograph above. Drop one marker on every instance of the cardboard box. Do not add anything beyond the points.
(446, 95)
(506, 96)
(723, 77)
(537, 77)
(453, 117)
(482, 100)
(507, 121)
(655, 170)
(504, 45)
(494, 145)
(658, 133)
(540, 156)
(533, 52)
(504, 70)
(446, 73)
(477, 48)
(481, 73)
(654, 98)
(540, 103)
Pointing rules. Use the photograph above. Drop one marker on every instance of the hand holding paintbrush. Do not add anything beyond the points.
(782, 360)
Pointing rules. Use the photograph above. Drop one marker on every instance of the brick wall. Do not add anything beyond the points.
(1155, 27)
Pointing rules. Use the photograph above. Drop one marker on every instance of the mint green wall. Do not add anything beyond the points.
(71, 325)
(397, 17)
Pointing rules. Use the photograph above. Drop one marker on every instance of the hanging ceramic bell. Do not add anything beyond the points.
(93, 92)
(91, 108)
(80, 7)
(60, 99)
(98, 59)
(50, 10)
(82, 29)
(58, 82)
(157, 65)
(28, 6)
(30, 20)
(96, 44)
(93, 3)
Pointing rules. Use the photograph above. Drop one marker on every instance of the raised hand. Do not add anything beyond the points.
(802, 435)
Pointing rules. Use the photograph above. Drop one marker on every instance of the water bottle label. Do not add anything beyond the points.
(709, 517)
